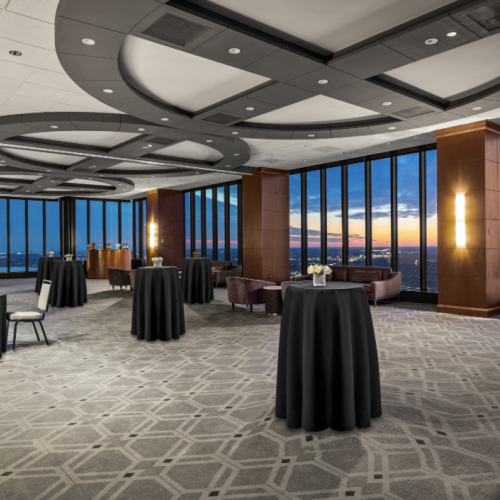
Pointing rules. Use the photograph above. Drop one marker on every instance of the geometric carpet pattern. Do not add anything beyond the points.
(101, 415)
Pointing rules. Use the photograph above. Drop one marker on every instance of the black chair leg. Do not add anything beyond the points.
(43, 331)
(251, 308)
(233, 306)
(36, 331)
(14, 340)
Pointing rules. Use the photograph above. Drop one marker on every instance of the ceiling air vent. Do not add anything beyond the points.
(176, 30)
(222, 118)
(162, 140)
(488, 16)
(413, 112)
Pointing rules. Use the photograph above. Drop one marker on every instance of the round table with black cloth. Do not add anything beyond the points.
(328, 374)
(69, 286)
(45, 268)
(197, 281)
(158, 311)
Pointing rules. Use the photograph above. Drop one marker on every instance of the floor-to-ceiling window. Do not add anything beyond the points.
(35, 233)
(81, 229)
(127, 224)
(295, 225)
(3, 236)
(96, 223)
(432, 248)
(112, 223)
(233, 224)
(313, 217)
(187, 223)
(334, 216)
(137, 229)
(221, 226)
(356, 213)
(52, 227)
(409, 220)
(144, 227)
(209, 223)
(381, 212)
(17, 235)
(197, 221)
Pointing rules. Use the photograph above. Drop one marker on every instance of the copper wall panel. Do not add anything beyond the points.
(98, 262)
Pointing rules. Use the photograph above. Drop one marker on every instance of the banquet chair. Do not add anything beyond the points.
(32, 316)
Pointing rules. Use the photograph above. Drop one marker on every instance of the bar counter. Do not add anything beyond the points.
(98, 262)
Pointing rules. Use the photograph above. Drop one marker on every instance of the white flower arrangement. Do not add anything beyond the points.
(318, 270)
(51, 254)
(157, 259)
(69, 255)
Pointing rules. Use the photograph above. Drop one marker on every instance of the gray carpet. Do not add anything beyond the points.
(100, 415)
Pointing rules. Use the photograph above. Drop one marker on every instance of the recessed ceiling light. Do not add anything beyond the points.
(234, 51)
(304, 160)
(197, 173)
(307, 145)
(269, 154)
(27, 190)
(141, 129)
(107, 91)
(452, 33)
(209, 140)
(341, 153)
(431, 41)
(388, 143)
(88, 41)
(388, 103)
(144, 147)
(150, 145)
(93, 166)
(250, 108)
(228, 165)
(235, 133)
(15, 53)
(39, 186)
(54, 126)
(48, 170)
(311, 135)
(52, 181)
(236, 154)
(477, 108)
(164, 119)
(120, 184)
(392, 128)
(322, 82)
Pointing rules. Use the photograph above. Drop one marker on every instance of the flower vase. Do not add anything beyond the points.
(68, 258)
(157, 263)
(319, 280)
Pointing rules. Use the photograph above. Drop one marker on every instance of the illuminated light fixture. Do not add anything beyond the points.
(392, 128)
(15, 53)
(93, 166)
(236, 154)
(431, 41)
(452, 33)
(228, 165)
(88, 41)
(144, 147)
(460, 219)
(388, 103)
(52, 181)
(27, 190)
(54, 126)
(250, 108)
(341, 153)
(48, 170)
(477, 108)
(388, 143)
(234, 51)
(164, 119)
(153, 235)
(304, 160)
(209, 140)
(141, 129)
(311, 135)
(269, 154)
(323, 82)
(235, 133)
(107, 91)
(150, 145)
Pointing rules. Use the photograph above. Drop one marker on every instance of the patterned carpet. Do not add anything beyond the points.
(100, 415)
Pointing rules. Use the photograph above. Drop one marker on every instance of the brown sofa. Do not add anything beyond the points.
(246, 291)
(119, 277)
(387, 284)
(223, 269)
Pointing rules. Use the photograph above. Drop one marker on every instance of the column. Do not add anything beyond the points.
(266, 225)
(468, 277)
(164, 209)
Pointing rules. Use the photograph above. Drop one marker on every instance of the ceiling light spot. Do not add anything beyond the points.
(431, 41)
(269, 154)
(452, 33)
(150, 145)
(88, 41)
(250, 108)
(48, 170)
(15, 53)
(197, 173)
(392, 128)
(322, 82)
(311, 135)
(234, 51)
(27, 190)
(54, 126)
(388, 143)
(236, 154)
(164, 119)
(107, 91)
(144, 147)
(304, 160)
(141, 129)
(341, 153)
(477, 108)
(235, 133)
(39, 186)
(93, 166)
(388, 103)
(209, 140)
(120, 184)
(52, 181)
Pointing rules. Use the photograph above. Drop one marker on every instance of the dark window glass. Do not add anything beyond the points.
(187, 219)
(295, 225)
(209, 194)
(127, 227)
(35, 233)
(144, 238)
(112, 223)
(220, 224)
(137, 229)
(313, 218)
(432, 248)
(381, 212)
(17, 235)
(197, 220)
(356, 213)
(233, 227)
(409, 220)
(52, 234)
(96, 227)
(3, 236)
(334, 216)
(81, 229)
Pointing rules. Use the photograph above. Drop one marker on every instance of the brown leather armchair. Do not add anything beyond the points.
(246, 291)
(119, 277)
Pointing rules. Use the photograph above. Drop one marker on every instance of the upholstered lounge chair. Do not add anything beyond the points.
(246, 291)
(119, 277)
(223, 269)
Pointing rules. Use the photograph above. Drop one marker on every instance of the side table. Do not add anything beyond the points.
(274, 300)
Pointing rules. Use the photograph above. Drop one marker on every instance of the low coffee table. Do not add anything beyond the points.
(274, 300)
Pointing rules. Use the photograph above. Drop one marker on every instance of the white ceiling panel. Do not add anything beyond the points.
(21, 176)
(455, 71)
(41, 10)
(91, 182)
(104, 139)
(191, 151)
(56, 159)
(24, 29)
(179, 78)
(318, 109)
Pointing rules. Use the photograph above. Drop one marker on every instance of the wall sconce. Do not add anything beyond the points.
(153, 235)
(460, 219)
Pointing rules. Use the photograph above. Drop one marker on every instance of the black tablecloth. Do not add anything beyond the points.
(328, 373)
(158, 311)
(197, 281)
(69, 287)
(45, 268)
(3, 323)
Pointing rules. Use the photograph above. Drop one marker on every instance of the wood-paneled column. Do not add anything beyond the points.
(165, 209)
(467, 162)
(266, 225)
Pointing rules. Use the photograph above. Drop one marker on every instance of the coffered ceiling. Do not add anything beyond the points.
(115, 97)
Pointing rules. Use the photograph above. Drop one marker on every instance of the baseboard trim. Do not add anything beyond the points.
(469, 311)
